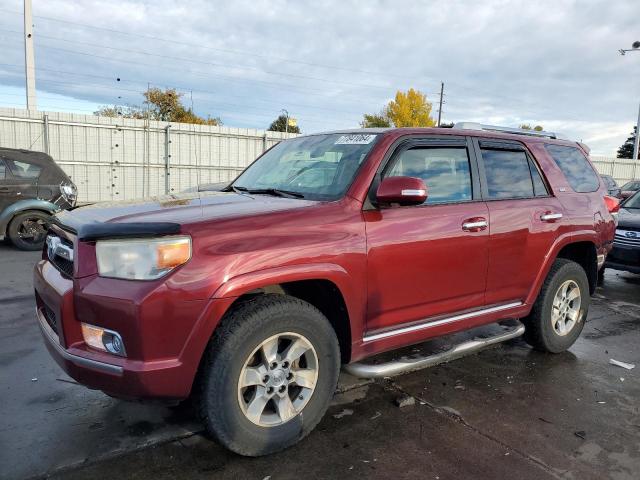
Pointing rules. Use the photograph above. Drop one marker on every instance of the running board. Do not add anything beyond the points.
(409, 364)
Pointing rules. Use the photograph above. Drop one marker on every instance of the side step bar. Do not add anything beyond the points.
(409, 364)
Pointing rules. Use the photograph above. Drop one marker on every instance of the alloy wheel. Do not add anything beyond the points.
(278, 379)
(565, 310)
(33, 230)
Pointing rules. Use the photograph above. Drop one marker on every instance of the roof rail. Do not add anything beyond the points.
(517, 131)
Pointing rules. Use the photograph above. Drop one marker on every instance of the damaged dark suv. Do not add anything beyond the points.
(32, 188)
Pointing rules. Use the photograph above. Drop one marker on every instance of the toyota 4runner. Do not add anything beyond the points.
(328, 249)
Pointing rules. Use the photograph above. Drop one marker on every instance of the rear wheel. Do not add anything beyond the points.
(269, 374)
(558, 316)
(28, 230)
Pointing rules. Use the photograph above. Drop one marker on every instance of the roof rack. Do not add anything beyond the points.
(517, 131)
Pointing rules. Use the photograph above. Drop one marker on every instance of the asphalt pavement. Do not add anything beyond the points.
(508, 412)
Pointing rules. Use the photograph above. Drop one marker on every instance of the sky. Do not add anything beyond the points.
(327, 62)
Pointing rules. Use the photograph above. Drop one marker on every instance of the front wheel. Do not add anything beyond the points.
(558, 316)
(28, 230)
(269, 374)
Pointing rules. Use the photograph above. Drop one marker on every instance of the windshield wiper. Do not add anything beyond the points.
(268, 191)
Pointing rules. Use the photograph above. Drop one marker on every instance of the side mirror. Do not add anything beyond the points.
(402, 190)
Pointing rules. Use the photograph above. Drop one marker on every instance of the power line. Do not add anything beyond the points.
(200, 62)
(183, 89)
(223, 50)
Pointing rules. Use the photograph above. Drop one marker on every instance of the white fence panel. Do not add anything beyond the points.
(119, 158)
(621, 169)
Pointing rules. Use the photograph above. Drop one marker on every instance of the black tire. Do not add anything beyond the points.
(540, 332)
(242, 330)
(601, 277)
(16, 231)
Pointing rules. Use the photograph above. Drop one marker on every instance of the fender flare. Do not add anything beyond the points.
(354, 298)
(23, 205)
(223, 297)
(561, 242)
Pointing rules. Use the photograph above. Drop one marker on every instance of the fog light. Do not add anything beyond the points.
(103, 339)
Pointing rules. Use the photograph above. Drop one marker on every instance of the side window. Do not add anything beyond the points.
(509, 174)
(575, 167)
(3, 170)
(444, 170)
(23, 169)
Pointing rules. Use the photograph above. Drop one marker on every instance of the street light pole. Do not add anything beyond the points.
(636, 144)
(635, 47)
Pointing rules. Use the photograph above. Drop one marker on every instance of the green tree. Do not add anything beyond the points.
(410, 109)
(280, 125)
(537, 128)
(626, 150)
(375, 120)
(163, 105)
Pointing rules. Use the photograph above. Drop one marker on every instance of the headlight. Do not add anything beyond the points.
(69, 192)
(141, 259)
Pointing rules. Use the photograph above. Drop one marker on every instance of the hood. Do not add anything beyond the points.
(143, 216)
(629, 217)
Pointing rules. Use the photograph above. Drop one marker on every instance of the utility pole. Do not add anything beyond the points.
(29, 62)
(286, 125)
(440, 108)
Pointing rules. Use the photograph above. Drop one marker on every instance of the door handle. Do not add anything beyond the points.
(550, 217)
(475, 224)
(4, 189)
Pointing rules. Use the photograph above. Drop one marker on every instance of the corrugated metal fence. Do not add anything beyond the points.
(621, 169)
(120, 158)
(116, 158)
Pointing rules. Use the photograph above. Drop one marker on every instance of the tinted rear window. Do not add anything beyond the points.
(508, 174)
(23, 169)
(575, 167)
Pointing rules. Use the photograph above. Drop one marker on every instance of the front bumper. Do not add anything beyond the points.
(625, 258)
(157, 369)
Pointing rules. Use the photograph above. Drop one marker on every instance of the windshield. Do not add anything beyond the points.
(318, 167)
(632, 202)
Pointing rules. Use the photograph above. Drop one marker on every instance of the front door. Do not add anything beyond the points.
(431, 259)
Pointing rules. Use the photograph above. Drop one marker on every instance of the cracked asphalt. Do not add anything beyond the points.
(507, 412)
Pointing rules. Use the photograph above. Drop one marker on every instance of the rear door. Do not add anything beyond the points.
(424, 261)
(524, 218)
(20, 180)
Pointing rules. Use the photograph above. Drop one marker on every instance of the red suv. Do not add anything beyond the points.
(328, 249)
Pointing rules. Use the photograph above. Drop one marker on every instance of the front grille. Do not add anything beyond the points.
(627, 237)
(50, 317)
(62, 264)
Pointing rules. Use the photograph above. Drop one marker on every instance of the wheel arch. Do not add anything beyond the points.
(580, 248)
(22, 206)
(328, 287)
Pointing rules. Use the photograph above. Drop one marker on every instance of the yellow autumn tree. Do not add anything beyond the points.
(410, 109)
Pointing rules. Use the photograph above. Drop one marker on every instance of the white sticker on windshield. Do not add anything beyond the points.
(355, 139)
